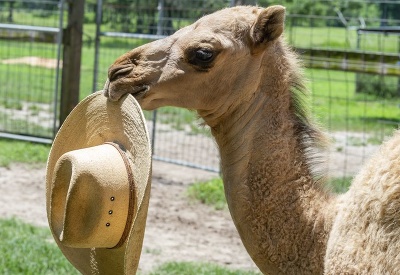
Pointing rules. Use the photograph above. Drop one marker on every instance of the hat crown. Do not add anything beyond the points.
(94, 122)
(90, 200)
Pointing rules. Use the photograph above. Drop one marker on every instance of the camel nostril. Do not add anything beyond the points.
(116, 72)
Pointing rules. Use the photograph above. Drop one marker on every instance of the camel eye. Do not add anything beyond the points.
(204, 55)
(201, 58)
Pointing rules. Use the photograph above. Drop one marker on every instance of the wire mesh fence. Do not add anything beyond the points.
(350, 50)
(29, 65)
(176, 133)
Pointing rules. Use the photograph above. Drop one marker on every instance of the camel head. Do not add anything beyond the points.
(210, 65)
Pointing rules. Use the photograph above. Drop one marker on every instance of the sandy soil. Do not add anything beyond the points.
(35, 61)
(177, 229)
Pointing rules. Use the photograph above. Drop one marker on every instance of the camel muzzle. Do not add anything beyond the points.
(115, 93)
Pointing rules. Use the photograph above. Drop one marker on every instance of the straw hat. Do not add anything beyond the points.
(98, 185)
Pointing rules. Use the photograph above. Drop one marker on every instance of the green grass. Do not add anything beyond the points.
(339, 185)
(212, 192)
(25, 82)
(27, 249)
(38, 17)
(24, 152)
(209, 192)
(338, 107)
(335, 101)
(14, 49)
(9, 103)
(190, 268)
(340, 38)
(23, 126)
(182, 120)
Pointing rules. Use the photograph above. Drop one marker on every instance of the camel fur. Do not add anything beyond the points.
(234, 68)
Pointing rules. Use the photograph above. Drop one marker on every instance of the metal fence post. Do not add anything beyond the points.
(72, 40)
(58, 69)
(160, 23)
(160, 31)
(99, 17)
(153, 132)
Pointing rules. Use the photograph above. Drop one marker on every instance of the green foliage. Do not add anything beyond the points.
(44, 13)
(390, 12)
(26, 249)
(144, 16)
(189, 268)
(210, 192)
(327, 13)
(379, 86)
(21, 151)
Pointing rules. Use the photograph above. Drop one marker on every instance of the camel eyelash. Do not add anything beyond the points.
(202, 58)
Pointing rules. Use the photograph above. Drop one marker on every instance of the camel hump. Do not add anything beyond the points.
(269, 25)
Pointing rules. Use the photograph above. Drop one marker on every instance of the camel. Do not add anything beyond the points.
(234, 68)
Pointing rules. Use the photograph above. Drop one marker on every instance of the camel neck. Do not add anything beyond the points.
(275, 204)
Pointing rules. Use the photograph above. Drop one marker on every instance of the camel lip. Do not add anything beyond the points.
(140, 91)
(137, 92)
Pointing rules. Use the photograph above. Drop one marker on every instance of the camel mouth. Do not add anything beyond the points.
(140, 91)
(115, 94)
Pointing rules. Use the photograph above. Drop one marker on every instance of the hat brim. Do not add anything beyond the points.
(94, 121)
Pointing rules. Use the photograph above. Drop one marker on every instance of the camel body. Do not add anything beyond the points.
(234, 68)
(365, 238)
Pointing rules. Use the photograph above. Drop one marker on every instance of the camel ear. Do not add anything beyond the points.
(268, 26)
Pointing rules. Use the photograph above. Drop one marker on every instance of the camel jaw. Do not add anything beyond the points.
(114, 93)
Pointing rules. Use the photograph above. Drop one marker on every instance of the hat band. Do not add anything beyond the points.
(132, 190)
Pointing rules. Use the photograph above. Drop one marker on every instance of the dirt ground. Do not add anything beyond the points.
(177, 229)
(35, 61)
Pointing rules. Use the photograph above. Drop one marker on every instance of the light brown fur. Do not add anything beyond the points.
(250, 93)
(365, 238)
